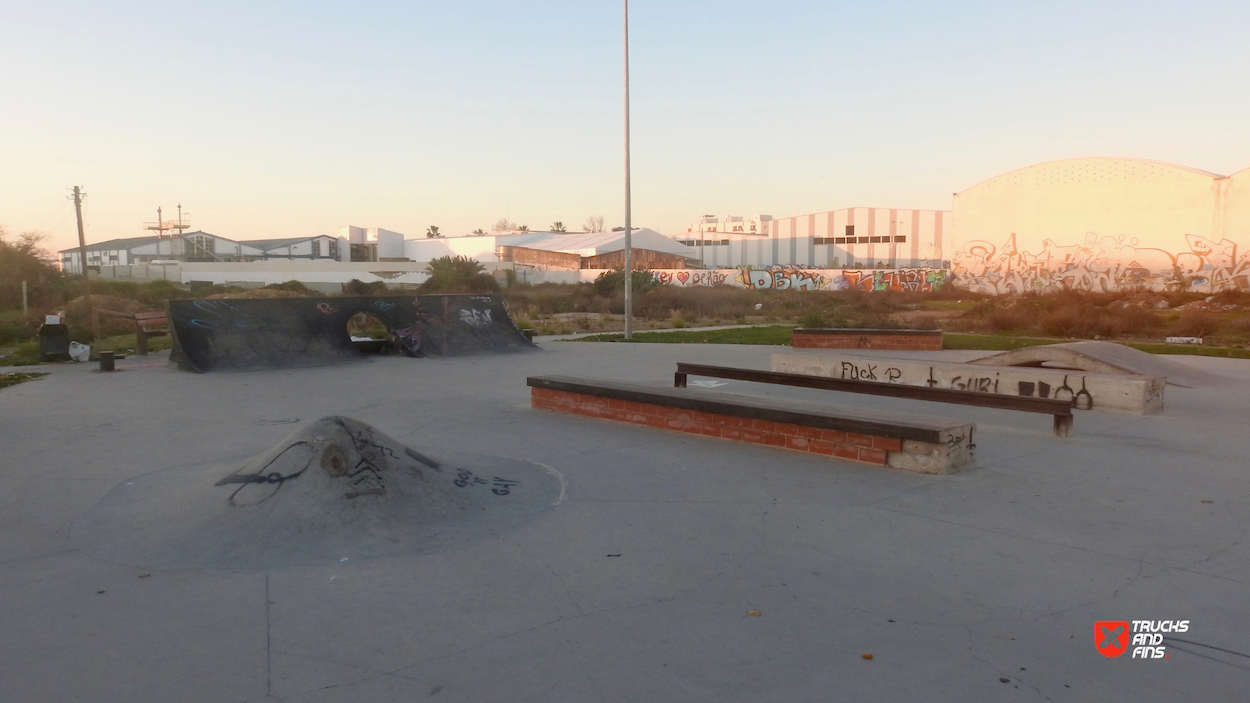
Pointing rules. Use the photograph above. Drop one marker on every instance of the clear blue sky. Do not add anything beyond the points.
(273, 119)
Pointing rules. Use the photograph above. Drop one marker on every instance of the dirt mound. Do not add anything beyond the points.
(78, 315)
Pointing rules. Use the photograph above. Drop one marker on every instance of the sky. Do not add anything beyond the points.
(287, 119)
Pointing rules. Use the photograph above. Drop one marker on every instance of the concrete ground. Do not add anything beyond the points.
(981, 586)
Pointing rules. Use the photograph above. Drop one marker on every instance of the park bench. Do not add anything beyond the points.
(1060, 410)
(147, 324)
(899, 440)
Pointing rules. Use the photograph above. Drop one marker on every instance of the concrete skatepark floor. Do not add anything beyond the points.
(978, 586)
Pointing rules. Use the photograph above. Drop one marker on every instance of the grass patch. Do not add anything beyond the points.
(1191, 349)
(125, 344)
(998, 342)
(24, 354)
(27, 353)
(773, 335)
(12, 379)
(994, 342)
(782, 335)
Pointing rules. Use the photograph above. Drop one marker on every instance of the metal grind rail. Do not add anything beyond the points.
(1060, 410)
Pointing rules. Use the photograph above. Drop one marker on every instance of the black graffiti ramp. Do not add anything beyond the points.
(1104, 357)
(335, 490)
(270, 333)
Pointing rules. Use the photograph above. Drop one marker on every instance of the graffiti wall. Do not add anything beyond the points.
(1103, 224)
(805, 278)
(1101, 263)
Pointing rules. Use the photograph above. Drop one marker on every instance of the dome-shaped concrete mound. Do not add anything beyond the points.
(336, 489)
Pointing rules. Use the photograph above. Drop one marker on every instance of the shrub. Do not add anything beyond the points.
(457, 274)
(292, 287)
(1009, 320)
(611, 281)
(813, 319)
(1197, 323)
(1132, 320)
(16, 327)
(358, 287)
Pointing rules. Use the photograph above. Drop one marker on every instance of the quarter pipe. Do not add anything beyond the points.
(246, 334)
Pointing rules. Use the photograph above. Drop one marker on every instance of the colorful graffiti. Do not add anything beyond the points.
(1101, 264)
(783, 279)
(807, 278)
(683, 277)
(911, 280)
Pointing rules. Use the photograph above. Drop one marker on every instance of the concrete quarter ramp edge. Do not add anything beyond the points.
(336, 489)
(1104, 357)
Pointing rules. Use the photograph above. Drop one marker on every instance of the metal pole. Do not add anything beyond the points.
(629, 231)
(24, 299)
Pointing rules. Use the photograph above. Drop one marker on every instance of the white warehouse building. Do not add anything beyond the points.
(858, 237)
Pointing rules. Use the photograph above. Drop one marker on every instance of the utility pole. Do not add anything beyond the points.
(82, 262)
(629, 230)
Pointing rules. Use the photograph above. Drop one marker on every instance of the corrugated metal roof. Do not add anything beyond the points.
(275, 243)
(589, 243)
(125, 243)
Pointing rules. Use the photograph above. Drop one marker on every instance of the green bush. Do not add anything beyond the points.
(293, 286)
(609, 282)
(358, 287)
(16, 327)
(457, 274)
(813, 320)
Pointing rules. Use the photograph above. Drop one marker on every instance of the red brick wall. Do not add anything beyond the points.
(868, 341)
(845, 445)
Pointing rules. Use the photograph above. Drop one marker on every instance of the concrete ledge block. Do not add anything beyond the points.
(1119, 393)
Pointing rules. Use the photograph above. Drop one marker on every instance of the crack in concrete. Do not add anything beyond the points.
(1001, 674)
(554, 574)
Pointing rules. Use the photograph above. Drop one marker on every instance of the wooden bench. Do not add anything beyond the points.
(898, 440)
(1061, 410)
(147, 324)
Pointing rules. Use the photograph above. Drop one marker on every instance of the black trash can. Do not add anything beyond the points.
(54, 343)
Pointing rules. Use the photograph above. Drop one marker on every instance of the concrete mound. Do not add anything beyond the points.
(1103, 357)
(336, 489)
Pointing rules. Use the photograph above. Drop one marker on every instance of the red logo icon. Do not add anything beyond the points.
(1111, 637)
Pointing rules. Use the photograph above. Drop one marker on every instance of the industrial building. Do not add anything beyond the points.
(197, 247)
(848, 238)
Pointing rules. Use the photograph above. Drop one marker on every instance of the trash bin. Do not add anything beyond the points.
(53, 342)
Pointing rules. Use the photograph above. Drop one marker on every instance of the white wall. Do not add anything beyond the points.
(390, 244)
(480, 248)
(306, 271)
(1103, 224)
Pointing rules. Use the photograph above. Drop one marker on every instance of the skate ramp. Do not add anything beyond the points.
(335, 490)
(248, 334)
(1104, 357)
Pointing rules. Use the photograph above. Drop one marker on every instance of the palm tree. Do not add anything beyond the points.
(558, 226)
(432, 232)
(479, 232)
(523, 228)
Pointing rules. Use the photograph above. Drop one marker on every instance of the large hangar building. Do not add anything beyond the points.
(1103, 224)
